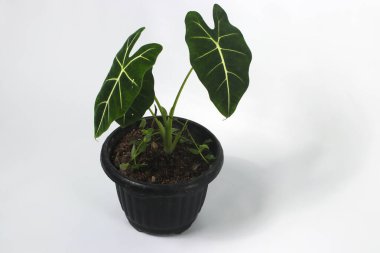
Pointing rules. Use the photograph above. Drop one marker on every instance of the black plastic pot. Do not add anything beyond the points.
(162, 209)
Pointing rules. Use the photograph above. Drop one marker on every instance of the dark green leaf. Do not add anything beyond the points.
(142, 102)
(123, 82)
(220, 57)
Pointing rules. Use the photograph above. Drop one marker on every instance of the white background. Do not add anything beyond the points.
(301, 169)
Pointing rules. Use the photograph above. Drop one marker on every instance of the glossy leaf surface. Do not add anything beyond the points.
(142, 102)
(220, 57)
(124, 82)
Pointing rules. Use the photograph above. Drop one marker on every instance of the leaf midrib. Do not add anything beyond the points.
(219, 48)
(122, 70)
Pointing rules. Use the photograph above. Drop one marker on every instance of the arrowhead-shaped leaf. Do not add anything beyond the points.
(220, 57)
(124, 82)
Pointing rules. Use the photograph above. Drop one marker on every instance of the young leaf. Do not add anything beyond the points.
(147, 138)
(141, 149)
(148, 131)
(210, 157)
(123, 82)
(194, 151)
(164, 112)
(220, 57)
(133, 152)
(203, 147)
(124, 166)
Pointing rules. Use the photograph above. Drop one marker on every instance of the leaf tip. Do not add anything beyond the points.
(96, 135)
(160, 47)
(219, 13)
(217, 8)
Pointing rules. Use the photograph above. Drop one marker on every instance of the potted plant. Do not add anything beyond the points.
(163, 164)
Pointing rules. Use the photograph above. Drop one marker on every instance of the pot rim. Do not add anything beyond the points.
(204, 179)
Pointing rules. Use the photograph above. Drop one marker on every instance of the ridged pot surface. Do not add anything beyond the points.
(156, 208)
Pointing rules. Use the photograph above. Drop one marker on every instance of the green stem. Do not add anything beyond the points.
(196, 145)
(159, 124)
(161, 109)
(137, 151)
(157, 102)
(165, 132)
(179, 135)
(179, 93)
(166, 127)
(170, 145)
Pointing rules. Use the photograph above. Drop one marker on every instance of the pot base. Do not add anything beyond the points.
(160, 231)
(165, 214)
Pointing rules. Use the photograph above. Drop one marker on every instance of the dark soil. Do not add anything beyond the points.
(179, 167)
